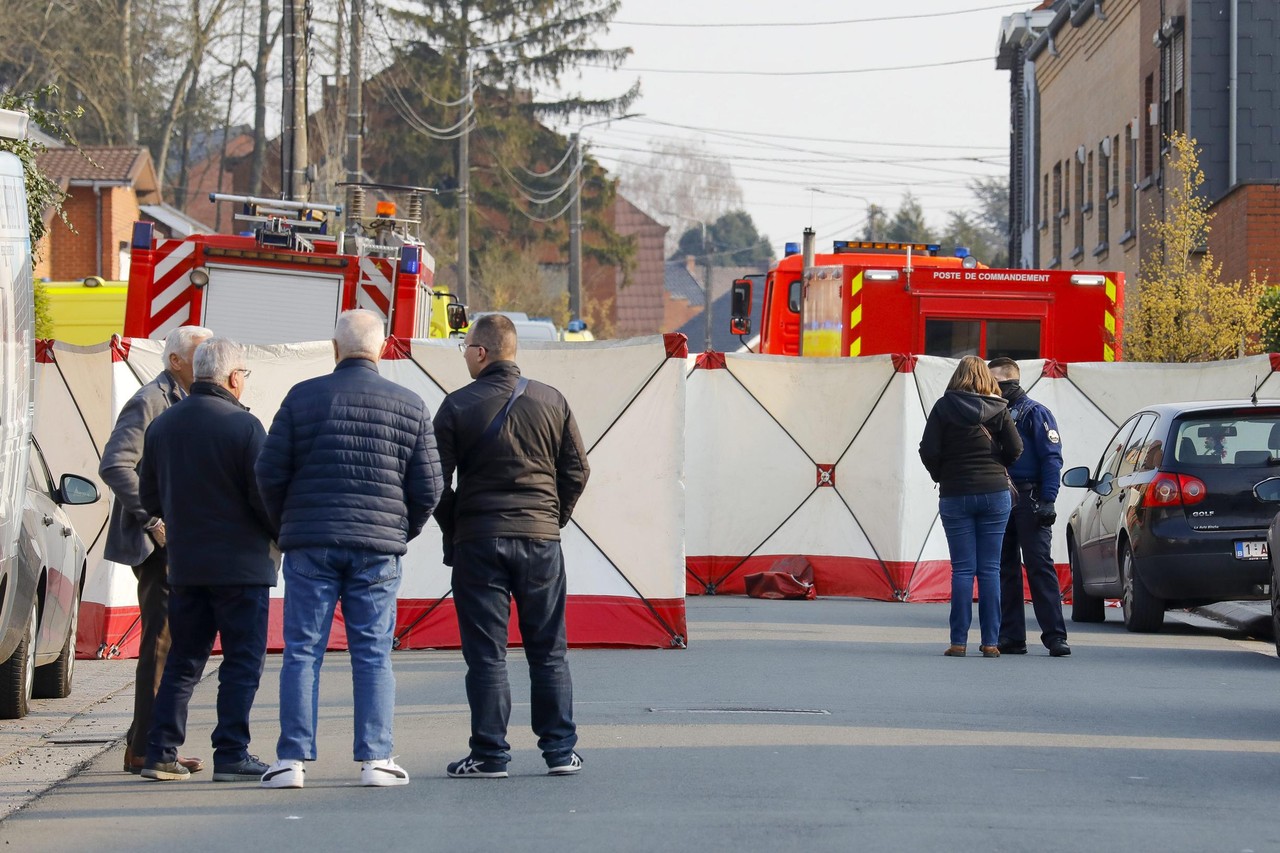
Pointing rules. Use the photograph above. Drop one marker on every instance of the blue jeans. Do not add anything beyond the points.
(975, 534)
(487, 574)
(366, 583)
(197, 614)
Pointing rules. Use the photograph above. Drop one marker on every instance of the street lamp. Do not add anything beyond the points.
(575, 217)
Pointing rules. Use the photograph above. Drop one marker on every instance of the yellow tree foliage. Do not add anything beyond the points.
(1184, 311)
(510, 279)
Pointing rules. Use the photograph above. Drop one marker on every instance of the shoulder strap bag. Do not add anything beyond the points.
(495, 425)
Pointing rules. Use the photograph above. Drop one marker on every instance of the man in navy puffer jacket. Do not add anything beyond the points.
(350, 473)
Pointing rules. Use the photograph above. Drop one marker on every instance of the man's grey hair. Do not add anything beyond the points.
(359, 334)
(216, 358)
(182, 342)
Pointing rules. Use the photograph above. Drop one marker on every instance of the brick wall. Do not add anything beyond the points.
(71, 256)
(1245, 235)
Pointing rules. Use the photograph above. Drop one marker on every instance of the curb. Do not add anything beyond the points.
(1250, 617)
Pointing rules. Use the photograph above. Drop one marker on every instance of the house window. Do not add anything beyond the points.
(1064, 209)
(1088, 182)
(1104, 192)
(1176, 102)
(1148, 138)
(1130, 187)
(1078, 251)
(1057, 215)
(1114, 194)
(1044, 203)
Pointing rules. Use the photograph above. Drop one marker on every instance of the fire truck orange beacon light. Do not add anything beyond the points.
(385, 208)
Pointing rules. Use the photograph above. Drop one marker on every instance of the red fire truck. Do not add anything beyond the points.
(870, 298)
(287, 280)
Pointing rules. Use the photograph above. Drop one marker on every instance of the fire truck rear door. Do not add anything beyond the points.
(271, 306)
(954, 326)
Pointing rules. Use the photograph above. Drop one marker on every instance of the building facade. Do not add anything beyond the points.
(1097, 87)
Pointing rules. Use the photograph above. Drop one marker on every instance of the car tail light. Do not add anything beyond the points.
(1174, 490)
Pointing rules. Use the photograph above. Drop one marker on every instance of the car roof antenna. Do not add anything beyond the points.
(1253, 398)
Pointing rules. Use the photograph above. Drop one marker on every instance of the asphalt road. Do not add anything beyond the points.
(807, 726)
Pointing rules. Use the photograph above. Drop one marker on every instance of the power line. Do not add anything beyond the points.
(751, 134)
(756, 73)
(779, 25)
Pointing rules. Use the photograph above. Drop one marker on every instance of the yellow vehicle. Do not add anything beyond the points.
(86, 312)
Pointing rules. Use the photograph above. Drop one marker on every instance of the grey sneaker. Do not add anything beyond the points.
(571, 763)
(475, 768)
(248, 769)
(165, 771)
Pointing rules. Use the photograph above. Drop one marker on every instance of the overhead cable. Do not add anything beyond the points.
(720, 72)
(782, 24)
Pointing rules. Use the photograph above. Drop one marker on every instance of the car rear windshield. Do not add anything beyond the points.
(1243, 439)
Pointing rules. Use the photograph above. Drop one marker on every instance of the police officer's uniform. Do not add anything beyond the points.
(1036, 475)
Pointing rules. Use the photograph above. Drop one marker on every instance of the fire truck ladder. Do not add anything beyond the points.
(277, 222)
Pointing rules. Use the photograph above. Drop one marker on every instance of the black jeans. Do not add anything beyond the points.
(153, 645)
(1024, 534)
(487, 574)
(197, 614)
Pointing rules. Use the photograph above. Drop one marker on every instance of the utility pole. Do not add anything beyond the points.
(706, 288)
(575, 216)
(293, 153)
(575, 233)
(355, 107)
(464, 178)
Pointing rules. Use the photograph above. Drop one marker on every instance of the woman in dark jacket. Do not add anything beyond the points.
(969, 441)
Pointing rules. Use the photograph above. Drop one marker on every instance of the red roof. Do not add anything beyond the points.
(129, 165)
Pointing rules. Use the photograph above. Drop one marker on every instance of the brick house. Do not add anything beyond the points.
(106, 189)
(1097, 86)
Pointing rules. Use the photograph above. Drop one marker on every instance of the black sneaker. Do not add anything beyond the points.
(1008, 647)
(571, 763)
(248, 769)
(475, 768)
(1059, 649)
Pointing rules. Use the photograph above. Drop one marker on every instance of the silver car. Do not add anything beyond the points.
(40, 597)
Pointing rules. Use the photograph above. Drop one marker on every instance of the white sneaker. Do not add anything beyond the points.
(382, 773)
(285, 773)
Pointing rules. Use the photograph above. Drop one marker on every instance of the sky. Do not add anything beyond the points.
(814, 149)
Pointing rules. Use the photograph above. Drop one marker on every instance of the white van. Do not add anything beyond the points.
(38, 546)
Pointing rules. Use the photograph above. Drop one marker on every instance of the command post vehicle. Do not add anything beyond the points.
(871, 298)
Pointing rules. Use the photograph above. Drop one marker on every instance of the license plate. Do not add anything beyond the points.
(1252, 550)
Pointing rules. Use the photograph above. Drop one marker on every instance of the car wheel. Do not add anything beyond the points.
(1275, 609)
(1143, 612)
(17, 674)
(53, 680)
(1084, 607)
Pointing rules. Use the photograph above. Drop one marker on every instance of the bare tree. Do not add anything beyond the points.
(682, 185)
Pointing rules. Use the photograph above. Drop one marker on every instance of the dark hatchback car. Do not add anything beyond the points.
(1171, 518)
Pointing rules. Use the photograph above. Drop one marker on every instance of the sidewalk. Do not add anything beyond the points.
(60, 736)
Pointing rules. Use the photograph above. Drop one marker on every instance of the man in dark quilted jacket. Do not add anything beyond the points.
(349, 473)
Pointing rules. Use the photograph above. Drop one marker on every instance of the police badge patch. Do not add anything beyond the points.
(1053, 437)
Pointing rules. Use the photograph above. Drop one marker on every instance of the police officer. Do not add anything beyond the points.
(1036, 476)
